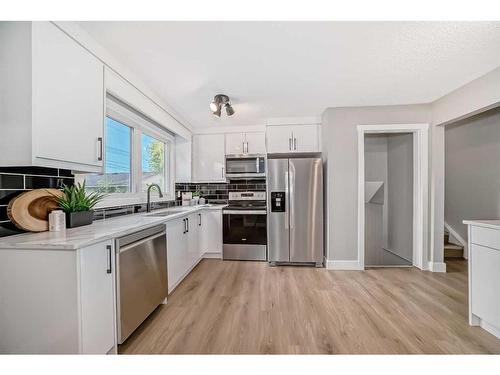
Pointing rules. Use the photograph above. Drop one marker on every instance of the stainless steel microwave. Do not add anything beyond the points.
(245, 166)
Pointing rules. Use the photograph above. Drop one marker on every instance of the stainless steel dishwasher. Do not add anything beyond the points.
(141, 260)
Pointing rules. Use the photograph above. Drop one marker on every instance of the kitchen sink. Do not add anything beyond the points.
(169, 212)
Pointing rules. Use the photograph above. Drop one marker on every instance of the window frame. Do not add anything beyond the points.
(139, 125)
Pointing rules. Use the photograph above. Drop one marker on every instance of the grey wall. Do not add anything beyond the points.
(340, 142)
(400, 194)
(472, 172)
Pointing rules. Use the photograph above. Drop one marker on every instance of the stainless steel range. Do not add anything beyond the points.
(244, 223)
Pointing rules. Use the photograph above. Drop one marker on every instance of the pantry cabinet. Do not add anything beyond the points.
(292, 138)
(245, 143)
(208, 158)
(53, 95)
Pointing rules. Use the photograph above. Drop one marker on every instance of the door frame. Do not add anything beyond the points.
(420, 187)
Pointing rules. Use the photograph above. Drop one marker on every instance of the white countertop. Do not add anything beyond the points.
(494, 224)
(99, 230)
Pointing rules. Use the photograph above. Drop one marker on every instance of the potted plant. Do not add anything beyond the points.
(78, 205)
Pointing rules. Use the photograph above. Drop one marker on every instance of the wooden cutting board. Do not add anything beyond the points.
(30, 211)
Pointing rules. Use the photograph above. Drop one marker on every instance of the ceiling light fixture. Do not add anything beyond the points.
(221, 100)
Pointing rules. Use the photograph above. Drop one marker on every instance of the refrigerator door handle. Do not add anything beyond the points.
(287, 200)
(291, 193)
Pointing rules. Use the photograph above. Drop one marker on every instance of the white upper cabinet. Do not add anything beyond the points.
(208, 158)
(255, 143)
(305, 138)
(292, 138)
(68, 99)
(245, 143)
(53, 91)
(235, 143)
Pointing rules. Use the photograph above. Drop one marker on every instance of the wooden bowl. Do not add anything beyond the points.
(30, 211)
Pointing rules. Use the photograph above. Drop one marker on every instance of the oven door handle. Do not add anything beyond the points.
(244, 212)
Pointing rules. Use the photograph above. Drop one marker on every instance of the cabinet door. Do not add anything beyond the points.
(97, 298)
(68, 99)
(485, 283)
(211, 235)
(279, 139)
(202, 230)
(208, 157)
(193, 239)
(305, 138)
(256, 143)
(235, 143)
(183, 163)
(177, 252)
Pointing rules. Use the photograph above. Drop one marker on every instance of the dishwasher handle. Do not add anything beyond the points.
(137, 243)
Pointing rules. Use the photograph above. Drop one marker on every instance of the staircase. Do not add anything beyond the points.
(452, 251)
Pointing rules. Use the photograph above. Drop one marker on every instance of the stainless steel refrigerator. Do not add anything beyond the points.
(295, 210)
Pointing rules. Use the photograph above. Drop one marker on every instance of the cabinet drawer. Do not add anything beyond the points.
(485, 283)
(486, 237)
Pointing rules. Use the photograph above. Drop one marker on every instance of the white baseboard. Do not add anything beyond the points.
(495, 331)
(346, 265)
(454, 236)
(437, 266)
(212, 256)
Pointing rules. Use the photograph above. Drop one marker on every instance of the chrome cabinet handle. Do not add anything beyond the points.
(199, 216)
(187, 222)
(100, 150)
(184, 220)
(222, 174)
(295, 144)
(289, 144)
(109, 270)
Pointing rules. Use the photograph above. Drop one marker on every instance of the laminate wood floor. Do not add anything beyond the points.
(251, 308)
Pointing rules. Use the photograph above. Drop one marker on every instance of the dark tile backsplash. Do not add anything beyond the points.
(16, 180)
(219, 192)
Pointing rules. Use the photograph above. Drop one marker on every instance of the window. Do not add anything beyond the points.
(117, 160)
(137, 153)
(153, 162)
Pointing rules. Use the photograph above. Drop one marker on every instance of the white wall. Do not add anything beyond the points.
(340, 144)
(472, 173)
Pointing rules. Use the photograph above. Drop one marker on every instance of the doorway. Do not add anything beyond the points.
(389, 200)
(392, 195)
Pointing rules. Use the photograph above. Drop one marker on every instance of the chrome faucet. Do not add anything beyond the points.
(148, 204)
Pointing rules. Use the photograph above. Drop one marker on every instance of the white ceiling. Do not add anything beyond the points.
(297, 69)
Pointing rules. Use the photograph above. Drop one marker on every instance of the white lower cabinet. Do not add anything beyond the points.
(177, 252)
(211, 234)
(189, 239)
(484, 276)
(58, 301)
(97, 296)
(193, 228)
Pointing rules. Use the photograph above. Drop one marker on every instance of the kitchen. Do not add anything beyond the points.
(234, 236)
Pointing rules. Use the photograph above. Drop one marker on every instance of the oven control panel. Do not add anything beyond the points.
(277, 201)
